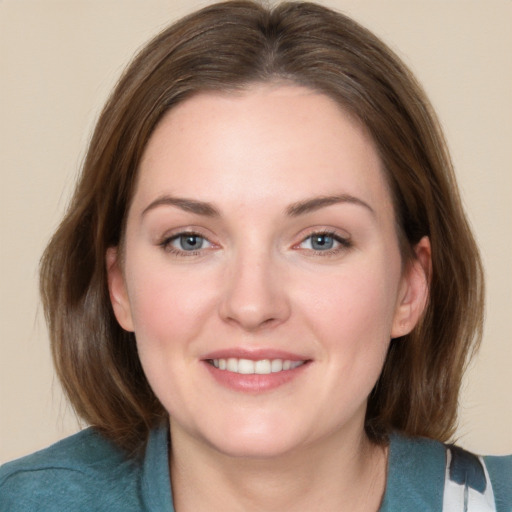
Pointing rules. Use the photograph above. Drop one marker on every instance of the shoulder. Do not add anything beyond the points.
(500, 474)
(484, 482)
(82, 472)
(416, 472)
(424, 472)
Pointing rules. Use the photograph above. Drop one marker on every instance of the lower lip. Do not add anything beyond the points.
(254, 383)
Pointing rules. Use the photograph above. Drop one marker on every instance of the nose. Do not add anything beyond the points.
(254, 295)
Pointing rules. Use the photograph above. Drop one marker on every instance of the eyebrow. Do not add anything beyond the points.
(187, 205)
(315, 203)
(294, 210)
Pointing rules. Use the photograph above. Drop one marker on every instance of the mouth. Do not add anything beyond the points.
(258, 367)
(255, 371)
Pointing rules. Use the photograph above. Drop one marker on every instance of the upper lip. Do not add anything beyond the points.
(255, 354)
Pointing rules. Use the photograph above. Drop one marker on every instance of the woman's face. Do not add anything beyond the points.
(261, 271)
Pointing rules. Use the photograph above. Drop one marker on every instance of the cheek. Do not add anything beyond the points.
(168, 307)
(170, 313)
(353, 309)
(351, 321)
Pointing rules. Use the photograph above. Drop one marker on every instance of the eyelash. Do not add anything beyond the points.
(344, 243)
(166, 244)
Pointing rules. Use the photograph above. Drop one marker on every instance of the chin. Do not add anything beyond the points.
(256, 441)
(254, 447)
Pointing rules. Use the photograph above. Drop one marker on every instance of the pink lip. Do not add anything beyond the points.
(253, 383)
(255, 354)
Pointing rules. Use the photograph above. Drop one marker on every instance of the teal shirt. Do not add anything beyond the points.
(86, 473)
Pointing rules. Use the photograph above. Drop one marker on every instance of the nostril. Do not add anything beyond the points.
(252, 323)
(252, 296)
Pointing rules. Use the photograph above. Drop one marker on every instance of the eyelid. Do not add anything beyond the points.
(165, 242)
(344, 241)
(179, 237)
(336, 233)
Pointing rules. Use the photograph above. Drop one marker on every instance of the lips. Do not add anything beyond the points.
(254, 371)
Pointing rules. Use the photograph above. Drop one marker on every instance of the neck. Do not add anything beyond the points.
(337, 473)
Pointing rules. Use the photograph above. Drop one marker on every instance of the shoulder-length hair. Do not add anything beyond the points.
(226, 47)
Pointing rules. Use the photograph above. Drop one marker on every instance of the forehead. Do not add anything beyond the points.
(269, 142)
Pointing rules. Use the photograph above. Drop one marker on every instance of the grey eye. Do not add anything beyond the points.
(322, 242)
(189, 242)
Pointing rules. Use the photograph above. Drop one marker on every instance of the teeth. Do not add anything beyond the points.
(276, 365)
(260, 367)
(245, 366)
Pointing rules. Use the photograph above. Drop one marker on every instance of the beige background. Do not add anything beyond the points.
(58, 61)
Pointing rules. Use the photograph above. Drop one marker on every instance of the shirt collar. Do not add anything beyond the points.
(415, 477)
(156, 483)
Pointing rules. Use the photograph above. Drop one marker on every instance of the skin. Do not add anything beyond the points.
(257, 283)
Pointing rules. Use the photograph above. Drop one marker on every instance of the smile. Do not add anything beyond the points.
(259, 367)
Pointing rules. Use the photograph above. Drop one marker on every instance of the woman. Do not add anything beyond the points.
(265, 292)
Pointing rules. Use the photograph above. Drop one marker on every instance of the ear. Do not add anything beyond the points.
(117, 289)
(414, 290)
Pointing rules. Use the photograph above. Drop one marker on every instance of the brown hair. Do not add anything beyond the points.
(228, 46)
